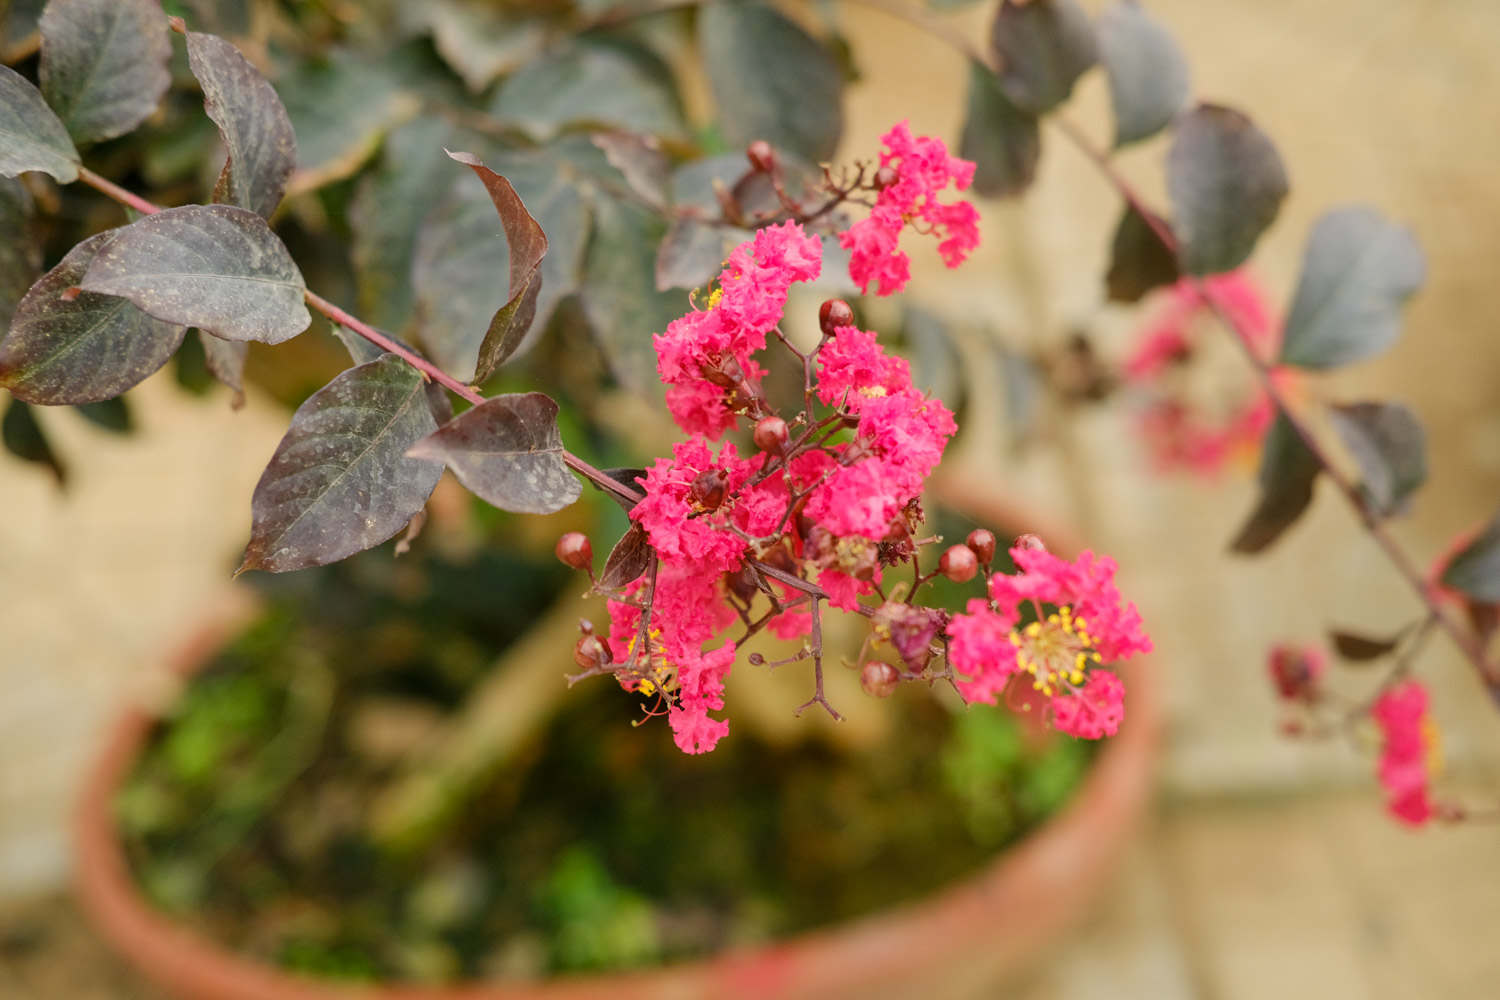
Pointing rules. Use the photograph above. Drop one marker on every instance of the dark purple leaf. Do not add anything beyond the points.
(1288, 471)
(31, 136)
(252, 122)
(1148, 76)
(1357, 271)
(1476, 569)
(1226, 183)
(1391, 449)
(341, 480)
(1361, 648)
(630, 557)
(1042, 47)
(508, 452)
(1003, 141)
(82, 349)
(1139, 260)
(104, 64)
(216, 267)
(225, 360)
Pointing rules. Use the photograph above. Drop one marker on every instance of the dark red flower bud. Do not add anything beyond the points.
(982, 542)
(708, 488)
(573, 549)
(834, 314)
(879, 679)
(885, 177)
(590, 652)
(959, 564)
(1030, 541)
(771, 435)
(761, 156)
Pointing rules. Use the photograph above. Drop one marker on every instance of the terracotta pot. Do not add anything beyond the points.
(959, 942)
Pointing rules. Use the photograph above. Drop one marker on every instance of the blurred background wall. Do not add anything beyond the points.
(1269, 868)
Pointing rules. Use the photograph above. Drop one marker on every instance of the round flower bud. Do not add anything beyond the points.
(761, 156)
(771, 435)
(959, 564)
(590, 652)
(885, 177)
(708, 488)
(879, 679)
(573, 549)
(981, 542)
(834, 314)
(1030, 541)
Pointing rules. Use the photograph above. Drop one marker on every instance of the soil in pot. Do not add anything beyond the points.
(597, 846)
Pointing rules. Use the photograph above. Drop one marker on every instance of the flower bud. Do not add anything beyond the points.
(573, 549)
(590, 652)
(959, 564)
(1030, 541)
(761, 156)
(885, 177)
(708, 488)
(981, 542)
(879, 679)
(771, 435)
(834, 314)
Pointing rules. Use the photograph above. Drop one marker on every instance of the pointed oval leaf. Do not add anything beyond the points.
(252, 122)
(526, 245)
(216, 267)
(84, 348)
(1288, 472)
(23, 437)
(635, 479)
(104, 64)
(630, 557)
(340, 108)
(771, 80)
(225, 360)
(1148, 75)
(1226, 183)
(31, 136)
(1042, 47)
(507, 451)
(1357, 271)
(1391, 449)
(592, 81)
(1138, 259)
(1476, 569)
(1003, 141)
(341, 480)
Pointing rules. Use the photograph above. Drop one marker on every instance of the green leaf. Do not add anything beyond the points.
(216, 267)
(80, 348)
(1391, 449)
(23, 437)
(525, 246)
(104, 64)
(252, 122)
(1226, 183)
(480, 41)
(1475, 570)
(386, 216)
(20, 250)
(31, 136)
(1288, 471)
(692, 252)
(1042, 47)
(1148, 75)
(1138, 259)
(619, 293)
(340, 108)
(1003, 141)
(591, 82)
(1357, 271)
(341, 480)
(225, 360)
(507, 451)
(112, 415)
(771, 80)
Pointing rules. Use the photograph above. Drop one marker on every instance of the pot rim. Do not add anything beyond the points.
(997, 915)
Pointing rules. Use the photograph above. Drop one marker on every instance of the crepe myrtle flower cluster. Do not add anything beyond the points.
(821, 506)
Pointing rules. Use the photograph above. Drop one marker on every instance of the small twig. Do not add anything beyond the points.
(818, 698)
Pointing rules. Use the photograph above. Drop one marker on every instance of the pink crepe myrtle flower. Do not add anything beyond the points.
(1060, 653)
(922, 169)
(1182, 433)
(1408, 740)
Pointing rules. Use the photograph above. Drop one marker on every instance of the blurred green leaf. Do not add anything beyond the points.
(1475, 570)
(340, 107)
(592, 81)
(23, 437)
(104, 64)
(619, 291)
(112, 415)
(1288, 471)
(34, 137)
(1357, 272)
(1003, 141)
(1138, 259)
(20, 250)
(481, 41)
(1042, 47)
(1148, 75)
(1391, 449)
